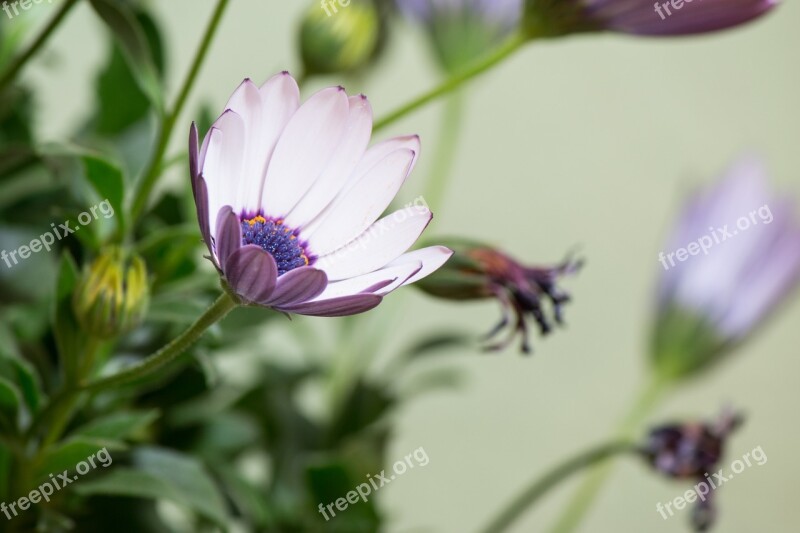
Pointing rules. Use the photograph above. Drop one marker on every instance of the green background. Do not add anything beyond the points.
(592, 142)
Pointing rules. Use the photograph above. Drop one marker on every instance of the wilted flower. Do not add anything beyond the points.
(283, 190)
(734, 255)
(113, 294)
(693, 451)
(336, 37)
(640, 17)
(462, 30)
(479, 271)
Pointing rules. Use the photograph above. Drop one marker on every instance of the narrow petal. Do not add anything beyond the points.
(201, 204)
(343, 306)
(432, 258)
(222, 161)
(229, 234)
(341, 166)
(251, 273)
(381, 281)
(297, 286)
(381, 243)
(194, 154)
(306, 146)
(362, 205)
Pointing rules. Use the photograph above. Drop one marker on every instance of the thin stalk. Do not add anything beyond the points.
(541, 486)
(582, 500)
(457, 80)
(21, 60)
(153, 170)
(224, 305)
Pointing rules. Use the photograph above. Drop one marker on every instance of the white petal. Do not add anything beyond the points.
(383, 242)
(222, 162)
(307, 144)
(379, 151)
(362, 205)
(432, 258)
(395, 275)
(340, 167)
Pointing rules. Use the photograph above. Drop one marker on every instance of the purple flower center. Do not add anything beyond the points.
(278, 240)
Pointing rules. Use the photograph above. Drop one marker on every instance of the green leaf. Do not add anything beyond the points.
(107, 179)
(118, 425)
(167, 475)
(132, 37)
(66, 328)
(22, 374)
(72, 452)
(9, 406)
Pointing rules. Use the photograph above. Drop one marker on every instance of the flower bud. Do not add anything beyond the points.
(340, 36)
(113, 294)
(479, 271)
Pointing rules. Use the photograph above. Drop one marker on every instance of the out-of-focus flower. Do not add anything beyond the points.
(336, 38)
(462, 30)
(693, 451)
(733, 256)
(113, 294)
(288, 198)
(639, 17)
(479, 271)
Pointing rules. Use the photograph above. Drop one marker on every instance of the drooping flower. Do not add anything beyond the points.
(462, 30)
(288, 199)
(693, 451)
(732, 258)
(479, 271)
(640, 17)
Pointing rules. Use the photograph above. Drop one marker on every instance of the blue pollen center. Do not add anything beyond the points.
(278, 240)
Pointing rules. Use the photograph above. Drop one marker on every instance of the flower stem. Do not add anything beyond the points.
(531, 495)
(19, 62)
(445, 152)
(454, 82)
(168, 353)
(582, 500)
(151, 174)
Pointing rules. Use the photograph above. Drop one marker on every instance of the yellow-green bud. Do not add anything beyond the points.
(113, 294)
(339, 36)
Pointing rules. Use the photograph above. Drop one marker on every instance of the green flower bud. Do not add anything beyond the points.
(339, 36)
(112, 296)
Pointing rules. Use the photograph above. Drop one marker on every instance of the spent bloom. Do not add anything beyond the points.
(479, 271)
(640, 17)
(692, 451)
(462, 30)
(280, 187)
(715, 300)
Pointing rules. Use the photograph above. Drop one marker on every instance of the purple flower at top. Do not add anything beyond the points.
(288, 199)
(503, 13)
(730, 261)
(463, 30)
(642, 17)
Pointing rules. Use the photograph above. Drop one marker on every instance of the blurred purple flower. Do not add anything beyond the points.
(283, 190)
(746, 260)
(503, 13)
(640, 17)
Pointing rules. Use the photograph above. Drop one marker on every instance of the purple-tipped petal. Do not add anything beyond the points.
(298, 286)
(229, 234)
(201, 205)
(251, 273)
(342, 306)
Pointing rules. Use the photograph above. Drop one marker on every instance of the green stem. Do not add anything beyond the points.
(454, 82)
(531, 495)
(168, 353)
(153, 171)
(19, 62)
(445, 152)
(582, 500)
